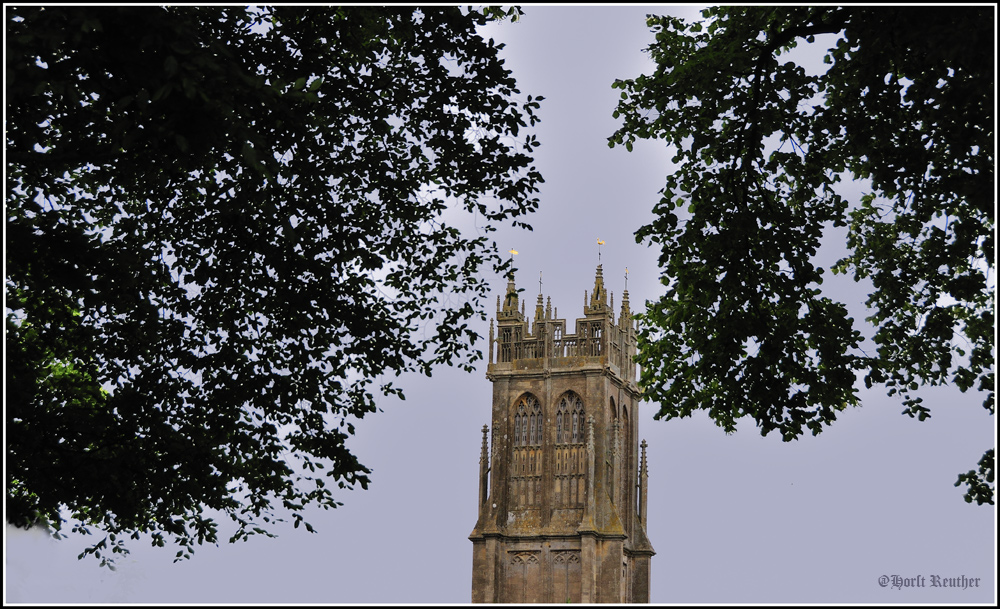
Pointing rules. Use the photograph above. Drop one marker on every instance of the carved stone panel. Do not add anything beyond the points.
(524, 577)
(566, 573)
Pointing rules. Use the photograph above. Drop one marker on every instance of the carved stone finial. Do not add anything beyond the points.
(643, 485)
(600, 295)
(598, 301)
(484, 470)
(510, 301)
(492, 340)
(625, 317)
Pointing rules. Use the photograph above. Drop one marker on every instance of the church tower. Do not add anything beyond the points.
(562, 478)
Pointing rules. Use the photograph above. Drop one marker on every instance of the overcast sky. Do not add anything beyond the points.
(735, 518)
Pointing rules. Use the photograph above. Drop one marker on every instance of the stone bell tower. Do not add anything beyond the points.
(562, 479)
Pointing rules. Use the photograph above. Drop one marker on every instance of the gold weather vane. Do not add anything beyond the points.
(513, 252)
(626, 279)
(600, 242)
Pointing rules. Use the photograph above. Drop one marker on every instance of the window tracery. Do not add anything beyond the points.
(528, 422)
(536, 427)
(569, 420)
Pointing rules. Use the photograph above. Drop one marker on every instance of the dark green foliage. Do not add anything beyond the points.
(904, 102)
(980, 481)
(225, 229)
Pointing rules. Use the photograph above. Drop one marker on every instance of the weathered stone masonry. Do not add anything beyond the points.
(562, 488)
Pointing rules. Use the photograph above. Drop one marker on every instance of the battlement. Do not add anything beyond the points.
(598, 340)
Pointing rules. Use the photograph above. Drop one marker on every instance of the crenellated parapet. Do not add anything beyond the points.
(547, 343)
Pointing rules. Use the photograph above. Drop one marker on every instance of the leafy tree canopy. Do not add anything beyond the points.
(903, 104)
(225, 228)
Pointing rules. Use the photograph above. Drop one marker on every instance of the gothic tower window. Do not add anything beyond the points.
(612, 420)
(535, 425)
(570, 420)
(577, 421)
(560, 415)
(506, 339)
(520, 424)
(528, 422)
(518, 418)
